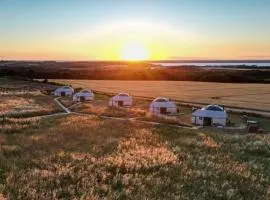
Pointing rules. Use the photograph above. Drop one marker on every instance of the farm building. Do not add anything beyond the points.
(121, 100)
(210, 115)
(83, 95)
(163, 105)
(64, 91)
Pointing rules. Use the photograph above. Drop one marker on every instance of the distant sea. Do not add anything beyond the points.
(212, 64)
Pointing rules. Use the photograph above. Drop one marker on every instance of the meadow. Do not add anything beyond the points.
(76, 156)
(249, 96)
(19, 98)
(27, 105)
(83, 157)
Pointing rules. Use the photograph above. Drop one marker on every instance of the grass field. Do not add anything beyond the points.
(27, 105)
(19, 98)
(87, 157)
(254, 96)
(100, 107)
(79, 157)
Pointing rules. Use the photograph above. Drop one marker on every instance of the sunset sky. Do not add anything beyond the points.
(125, 29)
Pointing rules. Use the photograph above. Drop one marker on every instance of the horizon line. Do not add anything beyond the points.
(138, 61)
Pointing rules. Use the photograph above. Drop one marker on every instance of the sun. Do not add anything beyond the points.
(134, 52)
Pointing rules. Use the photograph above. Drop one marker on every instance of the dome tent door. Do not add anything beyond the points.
(120, 103)
(82, 98)
(63, 94)
(163, 110)
(207, 121)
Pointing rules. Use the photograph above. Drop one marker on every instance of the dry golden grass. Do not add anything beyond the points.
(97, 109)
(25, 98)
(26, 104)
(139, 110)
(11, 125)
(81, 157)
(254, 96)
(100, 106)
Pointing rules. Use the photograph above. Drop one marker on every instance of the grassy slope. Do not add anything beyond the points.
(76, 157)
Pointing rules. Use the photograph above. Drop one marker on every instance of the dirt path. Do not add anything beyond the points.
(61, 105)
(52, 115)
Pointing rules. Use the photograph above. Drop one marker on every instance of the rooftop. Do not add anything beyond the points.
(213, 108)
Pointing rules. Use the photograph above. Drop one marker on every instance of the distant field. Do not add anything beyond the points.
(252, 96)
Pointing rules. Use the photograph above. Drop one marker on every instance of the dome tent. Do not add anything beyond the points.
(210, 115)
(64, 91)
(162, 105)
(83, 95)
(121, 100)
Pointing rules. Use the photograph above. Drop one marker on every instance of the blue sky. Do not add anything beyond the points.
(241, 26)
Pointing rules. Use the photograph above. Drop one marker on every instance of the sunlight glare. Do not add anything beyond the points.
(134, 52)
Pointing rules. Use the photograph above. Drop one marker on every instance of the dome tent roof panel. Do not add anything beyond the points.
(213, 108)
(123, 94)
(161, 99)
